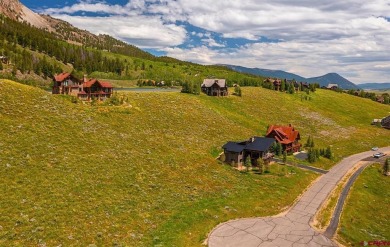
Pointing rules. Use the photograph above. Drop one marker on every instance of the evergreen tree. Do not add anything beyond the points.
(260, 163)
(386, 167)
(237, 91)
(247, 163)
(284, 157)
(1, 65)
(328, 153)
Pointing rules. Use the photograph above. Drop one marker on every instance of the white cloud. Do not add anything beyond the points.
(349, 37)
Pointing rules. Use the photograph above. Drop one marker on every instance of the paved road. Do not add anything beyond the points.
(293, 227)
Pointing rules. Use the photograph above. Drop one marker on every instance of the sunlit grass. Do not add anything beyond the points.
(146, 173)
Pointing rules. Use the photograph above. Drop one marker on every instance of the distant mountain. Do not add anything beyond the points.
(375, 86)
(266, 72)
(322, 80)
(333, 78)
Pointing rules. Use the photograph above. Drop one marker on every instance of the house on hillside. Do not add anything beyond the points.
(4, 59)
(66, 83)
(287, 136)
(215, 87)
(386, 122)
(97, 89)
(255, 148)
(332, 86)
(84, 89)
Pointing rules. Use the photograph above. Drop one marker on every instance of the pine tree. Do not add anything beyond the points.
(328, 153)
(247, 163)
(1, 65)
(284, 157)
(386, 167)
(260, 163)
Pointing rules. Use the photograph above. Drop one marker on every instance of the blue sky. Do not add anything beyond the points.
(306, 37)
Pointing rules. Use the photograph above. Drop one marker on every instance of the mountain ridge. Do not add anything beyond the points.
(323, 80)
(375, 85)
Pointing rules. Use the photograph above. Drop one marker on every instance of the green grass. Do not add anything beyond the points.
(146, 174)
(365, 215)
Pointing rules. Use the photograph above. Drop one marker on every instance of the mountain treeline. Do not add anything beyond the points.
(21, 43)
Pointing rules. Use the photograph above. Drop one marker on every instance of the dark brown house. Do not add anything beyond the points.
(215, 87)
(96, 89)
(287, 136)
(255, 148)
(386, 122)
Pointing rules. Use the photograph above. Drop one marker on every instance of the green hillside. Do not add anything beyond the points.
(144, 174)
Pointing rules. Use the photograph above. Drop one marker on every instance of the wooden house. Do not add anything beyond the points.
(96, 89)
(332, 86)
(386, 122)
(287, 136)
(255, 148)
(4, 59)
(66, 83)
(215, 87)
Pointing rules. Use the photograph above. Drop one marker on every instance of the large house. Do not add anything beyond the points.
(287, 136)
(66, 83)
(255, 148)
(215, 87)
(386, 122)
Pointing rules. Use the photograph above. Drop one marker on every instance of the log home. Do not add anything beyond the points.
(255, 148)
(66, 83)
(287, 136)
(215, 87)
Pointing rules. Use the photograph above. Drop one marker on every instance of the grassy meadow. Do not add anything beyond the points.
(145, 174)
(365, 215)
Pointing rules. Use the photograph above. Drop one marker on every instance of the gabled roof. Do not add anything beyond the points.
(210, 82)
(330, 85)
(283, 134)
(61, 77)
(259, 144)
(234, 147)
(101, 83)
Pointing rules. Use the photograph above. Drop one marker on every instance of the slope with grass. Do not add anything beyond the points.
(365, 215)
(144, 174)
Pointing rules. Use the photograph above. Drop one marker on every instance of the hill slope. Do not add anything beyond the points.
(144, 174)
(375, 86)
(333, 78)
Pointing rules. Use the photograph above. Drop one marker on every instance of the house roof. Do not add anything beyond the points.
(283, 134)
(93, 81)
(330, 85)
(210, 82)
(234, 147)
(260, 144)
(61, 77)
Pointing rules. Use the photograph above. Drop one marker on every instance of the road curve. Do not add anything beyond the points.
(293, 227)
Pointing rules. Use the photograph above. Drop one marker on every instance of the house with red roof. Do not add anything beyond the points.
(84, 89)
(287, 136)
(97, 89)
(66, 83)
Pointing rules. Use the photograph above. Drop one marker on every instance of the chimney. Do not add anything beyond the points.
(85, 78)
(252, 139)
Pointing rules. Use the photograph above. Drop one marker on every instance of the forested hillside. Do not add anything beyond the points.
(35, 51)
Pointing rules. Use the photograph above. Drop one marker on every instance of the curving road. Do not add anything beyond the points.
(293, 227)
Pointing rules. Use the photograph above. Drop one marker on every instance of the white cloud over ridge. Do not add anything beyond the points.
(348, 37)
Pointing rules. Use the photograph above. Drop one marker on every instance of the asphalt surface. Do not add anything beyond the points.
(291, 228)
